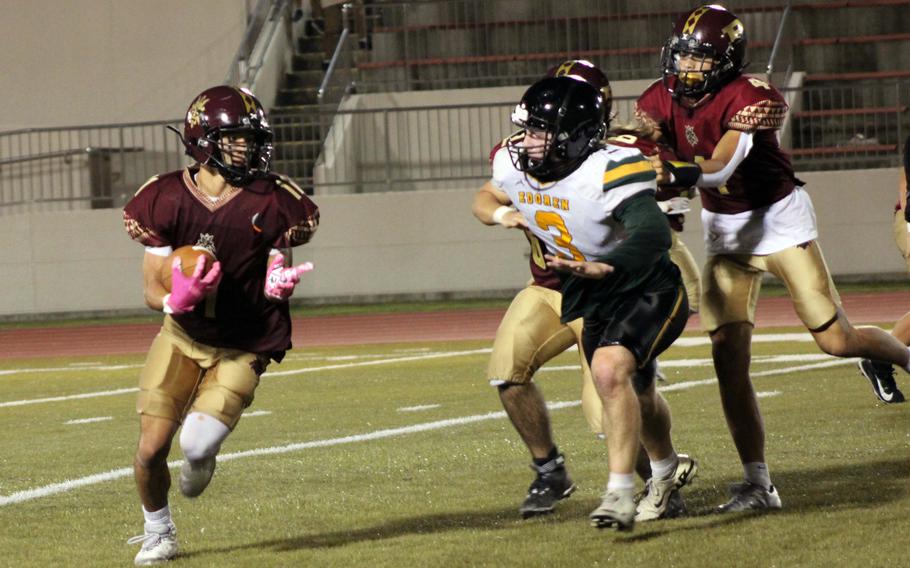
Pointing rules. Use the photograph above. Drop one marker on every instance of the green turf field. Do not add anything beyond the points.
(399, 455)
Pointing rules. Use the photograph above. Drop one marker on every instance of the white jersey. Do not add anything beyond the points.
(574, 215)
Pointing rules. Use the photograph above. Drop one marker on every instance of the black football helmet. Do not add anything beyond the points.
(708, 32)
(572, 114)
(219, 116)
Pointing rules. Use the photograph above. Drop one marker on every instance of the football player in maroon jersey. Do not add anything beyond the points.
(225, 322)
(756, 218)
(880, 373)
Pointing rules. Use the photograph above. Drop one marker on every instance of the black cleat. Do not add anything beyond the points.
(881, 375)
(551, 485)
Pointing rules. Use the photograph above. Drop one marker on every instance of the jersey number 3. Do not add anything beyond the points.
(547, 220)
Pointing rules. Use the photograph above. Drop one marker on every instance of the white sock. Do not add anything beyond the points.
(665, 468)
(757, 473)
(159, 517)
(621, 482)
(201, 436)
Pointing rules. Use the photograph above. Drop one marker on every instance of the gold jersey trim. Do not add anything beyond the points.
(202, 197)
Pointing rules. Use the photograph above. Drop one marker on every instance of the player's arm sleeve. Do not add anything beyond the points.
(648, 234)
(146, 217)
(729, 160)
(299, 215)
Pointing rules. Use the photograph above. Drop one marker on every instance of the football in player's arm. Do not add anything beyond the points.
(594, 208)
(227, 320)
(723, 123)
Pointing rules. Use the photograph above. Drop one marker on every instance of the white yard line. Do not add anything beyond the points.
(69, 485)
(70, 397)
(269, 374)
(378, 362)
(766, 394)
(708, 362)
(89, 420)
(256, 413)
(418, 408)
(68, 369)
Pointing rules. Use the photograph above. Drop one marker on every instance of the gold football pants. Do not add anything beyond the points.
(732, 283)
(181, 376)
(531, 334)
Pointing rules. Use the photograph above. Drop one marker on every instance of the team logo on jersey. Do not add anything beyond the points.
(691, 138)
(207, 242)
(196, 110)
(256, 221)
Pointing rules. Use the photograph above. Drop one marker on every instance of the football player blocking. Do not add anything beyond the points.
(593, 205)
(226, 321)
(725, 122)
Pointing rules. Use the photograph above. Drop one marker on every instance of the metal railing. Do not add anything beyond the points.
(263, 23)
(84, 167)
(338, 80)
(849, 126)
(401, 148)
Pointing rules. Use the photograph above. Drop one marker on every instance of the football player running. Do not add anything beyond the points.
(879, 373)
(530, 334)
(593, 206)
(756, 218)
(224, 323)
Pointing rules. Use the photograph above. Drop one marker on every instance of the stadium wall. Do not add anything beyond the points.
(103, 61)
(370, 247)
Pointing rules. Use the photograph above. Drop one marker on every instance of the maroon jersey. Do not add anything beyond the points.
(242, 225)
(541, 275)
(745, 104)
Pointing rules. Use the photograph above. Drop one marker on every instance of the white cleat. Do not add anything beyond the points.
(194, 478)
(617, 510)
(159, 544)
(661, 498)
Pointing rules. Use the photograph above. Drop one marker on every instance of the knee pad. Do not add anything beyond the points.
(201, 436)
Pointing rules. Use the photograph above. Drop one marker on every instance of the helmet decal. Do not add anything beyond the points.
(248, 101)
(734, 30)
(564, 68)
(693, 19)
(194, 115)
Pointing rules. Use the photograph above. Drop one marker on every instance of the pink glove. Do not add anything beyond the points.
(186, 292)
(280, 281)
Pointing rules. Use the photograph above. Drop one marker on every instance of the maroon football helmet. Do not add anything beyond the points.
(216, 122)
(586, 71)
(708, 32)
